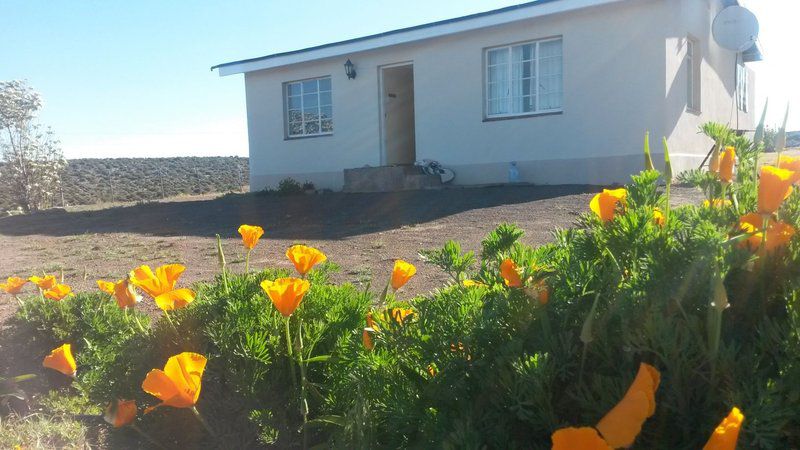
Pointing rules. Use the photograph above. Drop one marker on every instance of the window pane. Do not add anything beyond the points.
(325, 98)
(310, 101)
(294, 103)
(310, 114)
(498, 107)
(327, 126)
(550, 48)
(309, 86)
(326, 112)
(499, 56)
(312, 127)
(295, 115)
(497, 73)
(550, 66)
(295, 128)
(293, 89)
(324, 84)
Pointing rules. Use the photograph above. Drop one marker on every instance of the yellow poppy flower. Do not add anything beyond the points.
(13, 285)
(250, 235)
(402, 272)
(788, 163)
(726, 435)
(658, 217)
(286, 293)
(774, 187)
(178, 385)
(176, 299)
(106, 286)
(120, 413)
(716, 203)
(604, 204)
(44, 283)
(304, 257)
(727, 162)
(400, 315)
(584, 438)
(622, 424)
(472, 283)
(510, 273)
(58, 292)
(61, 360)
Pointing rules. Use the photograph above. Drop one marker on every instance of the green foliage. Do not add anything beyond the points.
(488, 366)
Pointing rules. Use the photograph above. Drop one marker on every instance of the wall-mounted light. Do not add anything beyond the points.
(350, 70)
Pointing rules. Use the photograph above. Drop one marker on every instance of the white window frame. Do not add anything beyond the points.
(693, 66)
(742, 87)
(509, 47)
(287, 119)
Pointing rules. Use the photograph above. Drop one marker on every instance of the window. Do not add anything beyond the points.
(693, 60)
(309, 110)
(741, 87)
(524, 79)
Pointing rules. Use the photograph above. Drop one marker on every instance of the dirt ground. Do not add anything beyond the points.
(363, 233)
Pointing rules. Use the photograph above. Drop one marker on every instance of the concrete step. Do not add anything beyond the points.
(388, 179)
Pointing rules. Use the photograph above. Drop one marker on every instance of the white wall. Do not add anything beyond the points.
(615, 61)
(718, 83)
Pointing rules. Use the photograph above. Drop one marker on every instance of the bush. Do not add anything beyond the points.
(480, 364)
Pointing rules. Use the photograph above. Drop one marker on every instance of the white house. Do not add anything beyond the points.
(564, 88)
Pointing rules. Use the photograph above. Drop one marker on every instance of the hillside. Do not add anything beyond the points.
(793, 139)
(89, 181)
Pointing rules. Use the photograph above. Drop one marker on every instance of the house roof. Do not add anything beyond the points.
(536, 8)
(500, 16)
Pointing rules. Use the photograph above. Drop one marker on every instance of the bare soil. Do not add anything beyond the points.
(362, 233)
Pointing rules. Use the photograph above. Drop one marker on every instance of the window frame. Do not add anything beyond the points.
(693, 59)
(509, 47)
(286, 115)
(742, 87)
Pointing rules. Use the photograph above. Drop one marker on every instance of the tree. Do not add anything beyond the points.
(31, 156)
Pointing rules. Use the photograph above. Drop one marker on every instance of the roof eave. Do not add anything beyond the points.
(502, 16)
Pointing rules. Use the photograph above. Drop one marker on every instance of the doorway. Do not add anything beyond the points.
(397, 107)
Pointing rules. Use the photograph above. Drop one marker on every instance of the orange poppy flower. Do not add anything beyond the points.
(126, 295)
(726, 434)
(658, 217)
(58, 292)
(61, 360)
(178, 385)
(727, 162)
(539, 291)
(366, 338)
(584, 438)
(120, 413)
(286, 293)
(432, 370)
(13, 285)
(510, 273)
(604, 204)
(788, 163)
(250, 235)
(716, 203)
(304, 257)
(779, 234)
(106, 286)
(45, 283)
(774, 187)
(177, 299)
(162, 281)
(622, 424)
(402, 272)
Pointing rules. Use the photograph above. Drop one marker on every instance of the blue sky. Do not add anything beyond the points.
(124, 78)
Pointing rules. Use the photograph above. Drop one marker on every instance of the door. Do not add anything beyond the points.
(397, 93)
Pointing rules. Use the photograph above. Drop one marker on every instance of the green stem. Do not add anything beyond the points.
(666, 213)
(247, 262)
(203, 422)
(290, 353)
(303, 399)
(764, 232)
(174, 328)
(16, 297)
(138, 323)
(146, 436)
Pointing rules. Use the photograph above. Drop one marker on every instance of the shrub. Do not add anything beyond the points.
(487, 360)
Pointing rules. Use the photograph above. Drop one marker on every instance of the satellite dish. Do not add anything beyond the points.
(735, 28)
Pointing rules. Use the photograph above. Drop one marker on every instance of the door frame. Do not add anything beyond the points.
(382, 106)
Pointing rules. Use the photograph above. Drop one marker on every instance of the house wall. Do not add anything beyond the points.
(615, 61)
(718, 83)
